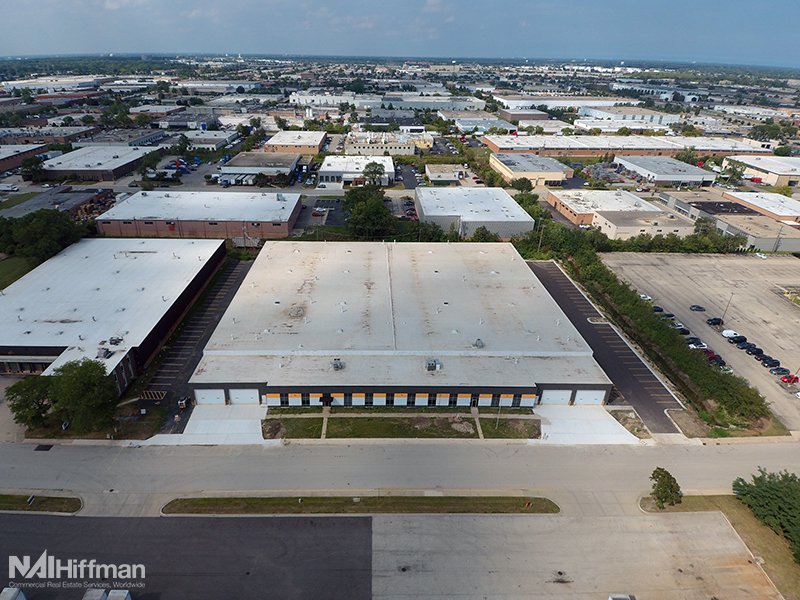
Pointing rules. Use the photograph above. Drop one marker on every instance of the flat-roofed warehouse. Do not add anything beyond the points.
(773, 170)
(11, 156)
(775, 206)
(598, 145)
(666, 171)
(469, 208)
(217, 214)
(113, 300)
(580, 206)
(539, 170)
(296, 142)
(104, 163)
(269, 164)
(410, 324)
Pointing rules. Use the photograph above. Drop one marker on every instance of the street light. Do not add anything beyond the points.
(724, 312)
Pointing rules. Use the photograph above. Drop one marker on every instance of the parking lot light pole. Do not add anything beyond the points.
(724, 312)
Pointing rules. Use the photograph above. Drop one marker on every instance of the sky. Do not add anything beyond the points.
(706, 31)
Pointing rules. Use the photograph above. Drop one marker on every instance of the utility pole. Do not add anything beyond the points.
(724, 312)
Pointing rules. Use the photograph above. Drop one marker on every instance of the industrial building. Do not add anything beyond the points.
(598, 145)
(116, 301)
(379, 144)
(45, 135)
(349, 170)
(444, 174)
(762, 233)
(217, 215)
(210, 140)
(405, 124)
(549, 127)
(665, 171)
(774, 206)
(483, 124)
(523, 101)
(184, 120)
(408, 324)
(296, 142)
(580, 206)
(539, 170)
(78, 204)
(123, 137)
(628, 113)
(11, 157)
(467, 209)
(268, 164)
(157, 110)
(527, 114)
(607, 127)
(102, 163)
(626, 224)
(772, 170)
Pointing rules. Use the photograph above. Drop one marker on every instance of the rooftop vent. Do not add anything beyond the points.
(478, 343)
(433, 364)
(338, 365)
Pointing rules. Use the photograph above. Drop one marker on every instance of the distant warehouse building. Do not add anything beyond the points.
(379, 144)
(296, 142)
(539, 170)
(467, 209)
(628, 113)
(349, 324)
(210, 140)
(268, 164)
(45, 135)
(349, 170)
(444, 174)
(772, 170)
(11, 157)
(526, 114)
(774, 206)
(666, 171)
(202, 215)
(116, 301)
(103, 163)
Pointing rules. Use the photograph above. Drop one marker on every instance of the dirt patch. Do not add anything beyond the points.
(420, 422)
(689, 423)
(272, 430)
(631, 421)
(462, 427)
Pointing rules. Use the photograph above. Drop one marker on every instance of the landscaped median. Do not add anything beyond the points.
(40, 503)
(361, 505)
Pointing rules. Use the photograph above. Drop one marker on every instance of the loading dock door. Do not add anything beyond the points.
(243, 396)
(556, 396)
(586, 397)
(209, 396)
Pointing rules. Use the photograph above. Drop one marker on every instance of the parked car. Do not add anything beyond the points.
(755, 351)
(693, 340)
(713, 356)
(183, 402)
(316, 213)
(697, 308)
(717, 362)
(726, 369)
(645, 297)
(762, 357)
(668, 316)
(697, 346)
(790, 379)
(729, 333)
(714, 321)
(736, 339)
(683, 331)
(658, 309)
(760, 255)
(772, 362)
(745, 345)
(780, 371)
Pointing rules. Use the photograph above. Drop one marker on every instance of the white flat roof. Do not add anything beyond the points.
(617, 124)
(384, 309)
(205, 206)
(780, 165)
(98, 158)
(96, 289)
(471, 204)
(618, 143)
(592, 201)
(297, 138)
(777, 204)
(665, 166)
(356, 164)
(531, 163)
(9, 151)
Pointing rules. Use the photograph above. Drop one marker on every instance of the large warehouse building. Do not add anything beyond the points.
(395, 324)
(103, 163)
(772, 170)
(666, 171)
(202, 215)
(469, 208)
(539, 170)
(116, 301)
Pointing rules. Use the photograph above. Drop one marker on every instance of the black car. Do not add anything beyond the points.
(745, 345)
(697, 308)
(762, 357)
(773, 362)
(737, 339)
(668, 316)
(658, 309)
(693, 340)
(754, 351)
(717, 362)
(779, 371)
(714, 321)
(683, 331)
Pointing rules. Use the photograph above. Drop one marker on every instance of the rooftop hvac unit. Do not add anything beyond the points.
(433, 364)
(338, 365)
(478, 343)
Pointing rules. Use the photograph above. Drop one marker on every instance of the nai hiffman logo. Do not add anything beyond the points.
(50, 567)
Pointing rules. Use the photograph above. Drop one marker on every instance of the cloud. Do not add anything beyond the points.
(450, 19)
(435, 6)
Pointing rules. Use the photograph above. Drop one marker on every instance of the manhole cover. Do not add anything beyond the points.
(43, 447)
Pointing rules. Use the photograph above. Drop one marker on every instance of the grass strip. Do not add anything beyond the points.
(13, 268)
(366, 504)
(40, 503)
(511, 428)
(398, 427)
(760, 539)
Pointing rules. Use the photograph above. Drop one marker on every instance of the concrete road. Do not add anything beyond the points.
(633, 379)
(583, 480)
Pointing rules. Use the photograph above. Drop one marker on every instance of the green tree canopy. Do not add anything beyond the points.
(371, 220)
(86, 394)
(33, 166)
(40, 235)
(482, 234)
(30, 401)
(373, 173)
(523, 184)
(665, 488)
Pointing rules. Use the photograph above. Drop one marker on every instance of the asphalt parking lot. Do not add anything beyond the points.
(634, 382)
(758, 309)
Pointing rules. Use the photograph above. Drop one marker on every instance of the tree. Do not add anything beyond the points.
(86, 394)
(373, 173)
(141, 120)
(43, 234)
(255, 122)
(67, 121)
(240, 89)
(34, 167)
(784, 190)
(371, 220)
(87, 119)
(625, 131)
(523, 184)
(30, 400)
(482, 234)
(782, 151)
(687, 155)
(665, 488)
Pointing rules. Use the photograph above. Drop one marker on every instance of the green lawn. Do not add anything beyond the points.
(12, 269)
(396, 427)
(18, 199)
(366, 504)
(291, 428)
(40, 503)
(760, 539)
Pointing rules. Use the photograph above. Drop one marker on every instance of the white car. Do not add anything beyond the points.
(797, 395)
(677, 325)
(729, 333)
(760, 255)
(700, 346)
(645, 297)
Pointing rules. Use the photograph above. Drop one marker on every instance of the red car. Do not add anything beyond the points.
(790, 379)
(316, 213)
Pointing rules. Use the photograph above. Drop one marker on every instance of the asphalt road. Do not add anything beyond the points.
(277, 557)
(635, 383)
